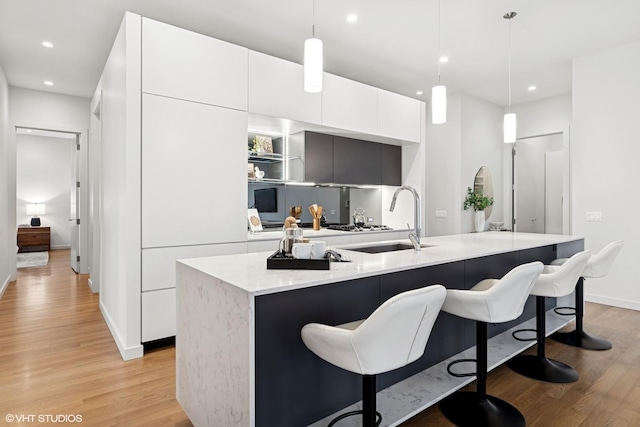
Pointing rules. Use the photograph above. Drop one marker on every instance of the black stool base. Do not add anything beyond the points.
(349, 414)
(581, 339)
(466, 408)
(543, 369)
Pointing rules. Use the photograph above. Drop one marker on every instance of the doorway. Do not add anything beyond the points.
(540, 177)
(47, 173)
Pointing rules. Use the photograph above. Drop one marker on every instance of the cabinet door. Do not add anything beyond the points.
(355, 161)
(187, 65)
(159, 264)
(351, 105)
(276, 88)
(390, 164)
(158, 314)
(318, 157)
(194, 164)
(398, 116)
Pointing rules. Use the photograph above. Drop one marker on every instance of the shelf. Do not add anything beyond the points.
(268, 157)
(266, 181)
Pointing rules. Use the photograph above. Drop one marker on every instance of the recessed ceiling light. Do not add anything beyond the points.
(444, 59)
(29, 130)
(47, 44)
(352, 17)
(419, 92)
(48, 82)
(532, 88)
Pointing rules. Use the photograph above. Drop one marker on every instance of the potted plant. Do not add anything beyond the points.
(479, 202)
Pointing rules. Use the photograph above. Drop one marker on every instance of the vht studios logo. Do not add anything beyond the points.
(43, 418)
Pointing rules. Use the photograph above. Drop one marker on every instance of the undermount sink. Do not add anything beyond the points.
(392, 247)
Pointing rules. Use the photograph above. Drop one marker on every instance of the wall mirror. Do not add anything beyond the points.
(484, 184)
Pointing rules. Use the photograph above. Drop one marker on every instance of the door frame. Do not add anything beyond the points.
(83, 206)
(567, 182)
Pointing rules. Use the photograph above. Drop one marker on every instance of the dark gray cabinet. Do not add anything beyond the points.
(318, 164)
(356, 161)
(390, 164)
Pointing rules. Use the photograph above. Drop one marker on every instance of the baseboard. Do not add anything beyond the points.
(4, 286)
(127, 353)
(615, 302)
(95, 291)
(55, 248)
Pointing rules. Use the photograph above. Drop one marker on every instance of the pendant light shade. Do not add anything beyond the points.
(509, 127)
(439, 93)
(313, 65)
(439, 105)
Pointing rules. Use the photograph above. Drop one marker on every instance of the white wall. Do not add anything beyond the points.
(120, 189)
(7, 191)
(606, 151)
(471, 138)
(44, 175)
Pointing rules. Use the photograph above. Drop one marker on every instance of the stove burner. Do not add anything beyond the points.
(351, 227)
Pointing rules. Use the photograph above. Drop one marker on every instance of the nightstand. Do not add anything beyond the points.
(34, 239)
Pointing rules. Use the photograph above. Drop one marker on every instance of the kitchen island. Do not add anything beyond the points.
(239, 357)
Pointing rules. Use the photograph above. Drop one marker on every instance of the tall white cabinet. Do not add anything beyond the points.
(193, 166)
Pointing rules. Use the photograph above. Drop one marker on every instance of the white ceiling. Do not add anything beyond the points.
(393, 45)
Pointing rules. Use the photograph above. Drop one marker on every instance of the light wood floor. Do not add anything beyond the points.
(57, 357)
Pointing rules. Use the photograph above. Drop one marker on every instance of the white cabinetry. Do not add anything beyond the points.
(159, 264)
(186, 65)
(276, 88)
(158, 314)
(398, 116)
(347, 104)
(193, 173)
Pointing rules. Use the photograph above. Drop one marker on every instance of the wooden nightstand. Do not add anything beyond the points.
(34, 239)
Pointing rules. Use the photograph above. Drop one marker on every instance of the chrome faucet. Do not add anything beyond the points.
(415, 236)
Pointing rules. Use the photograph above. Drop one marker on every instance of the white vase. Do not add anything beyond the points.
(479, 221)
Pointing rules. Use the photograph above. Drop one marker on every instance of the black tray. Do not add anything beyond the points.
(278, 261)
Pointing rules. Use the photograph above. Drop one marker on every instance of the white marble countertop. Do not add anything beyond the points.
(249, 271)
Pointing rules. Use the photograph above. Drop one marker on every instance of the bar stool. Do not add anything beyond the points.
(555, 281)
(598, 266)
(489, 301)
(393, 336)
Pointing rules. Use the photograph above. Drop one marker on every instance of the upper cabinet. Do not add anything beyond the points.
(347, 104)
(182, 64)
(398, 116)
(276, 88)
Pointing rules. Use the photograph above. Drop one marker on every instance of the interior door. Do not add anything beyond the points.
(74, 211)
(538, 180)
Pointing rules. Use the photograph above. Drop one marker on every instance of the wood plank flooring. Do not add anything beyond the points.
(57, 357)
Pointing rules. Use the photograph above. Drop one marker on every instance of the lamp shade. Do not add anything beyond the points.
(313, 64)
(439, 105)
(510, 128)
(35, 209)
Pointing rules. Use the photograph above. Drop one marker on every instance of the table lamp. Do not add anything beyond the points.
(35, 209)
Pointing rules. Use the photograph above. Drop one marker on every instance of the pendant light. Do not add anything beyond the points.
(509, 118)
(313, 60)
(438, 93)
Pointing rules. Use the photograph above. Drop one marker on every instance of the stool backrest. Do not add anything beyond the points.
(599, 264)
(557, 281)
(505, 300)
(396, 333)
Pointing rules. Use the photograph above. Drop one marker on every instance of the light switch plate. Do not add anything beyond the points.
(593, 216)
(441, 214)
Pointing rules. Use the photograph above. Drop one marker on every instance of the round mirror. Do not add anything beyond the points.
(484, 184)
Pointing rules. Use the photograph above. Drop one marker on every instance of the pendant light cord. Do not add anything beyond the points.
(313, 19)
(439, 42)
(510, 64)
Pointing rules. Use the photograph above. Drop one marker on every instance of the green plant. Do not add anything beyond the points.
(477, 200)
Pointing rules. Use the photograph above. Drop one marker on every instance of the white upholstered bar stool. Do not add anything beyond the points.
(598, 266)
(393, 336)
(555, 281)
(489, 301)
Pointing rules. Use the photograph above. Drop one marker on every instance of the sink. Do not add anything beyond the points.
(391, 247)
